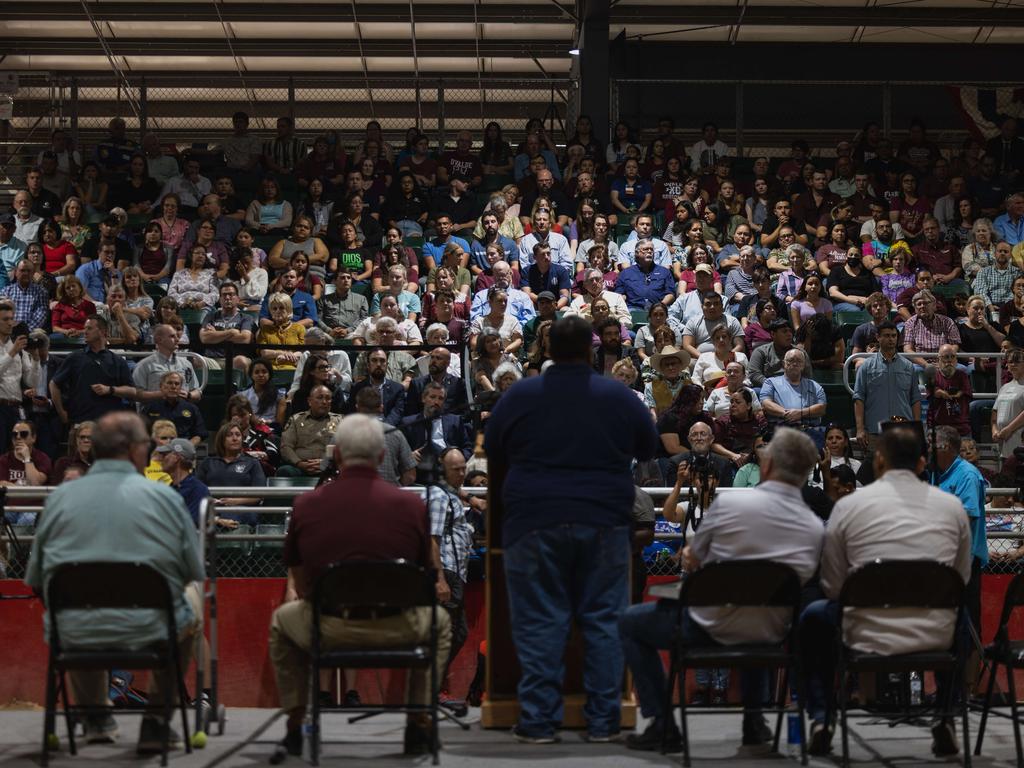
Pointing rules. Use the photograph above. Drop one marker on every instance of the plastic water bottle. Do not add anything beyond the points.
(915, 689)
(794, 733)
(308, 734)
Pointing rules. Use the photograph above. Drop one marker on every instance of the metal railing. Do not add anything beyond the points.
(997, 356)
(256, 553)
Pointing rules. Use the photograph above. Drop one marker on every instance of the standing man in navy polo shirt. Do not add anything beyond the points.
(566, 530)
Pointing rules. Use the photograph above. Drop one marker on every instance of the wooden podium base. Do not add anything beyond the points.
(504, 713)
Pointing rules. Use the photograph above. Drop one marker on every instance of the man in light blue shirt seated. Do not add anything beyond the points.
(1010, 226)
(519, 304)
(791, 399)
(114, 514)
(643, 229)
(97, 275)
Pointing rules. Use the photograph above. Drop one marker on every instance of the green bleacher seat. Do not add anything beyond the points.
(827, 376)
(414, 241)
(283, 378)
(155, 291)
(948, 291)
(638, 316)
(850, 318)
(191, 316)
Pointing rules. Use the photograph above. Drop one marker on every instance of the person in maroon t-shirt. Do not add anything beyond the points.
(24, 464)
(951, 393)
(905, 301)
(357, 516)
(939, 257)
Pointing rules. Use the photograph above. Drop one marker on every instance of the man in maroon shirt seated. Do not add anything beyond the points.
(939, 257)
(358, 516)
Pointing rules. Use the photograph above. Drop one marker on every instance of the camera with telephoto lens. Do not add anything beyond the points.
(21, 329)
(699, 464)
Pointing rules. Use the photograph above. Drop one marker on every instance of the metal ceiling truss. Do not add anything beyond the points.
(690, 14)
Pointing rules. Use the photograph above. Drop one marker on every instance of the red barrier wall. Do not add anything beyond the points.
(246, 675)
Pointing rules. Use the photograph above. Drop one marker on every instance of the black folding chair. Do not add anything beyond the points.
(917, 584)
(92, 586)
(368, 589)
(1010, 654)
(748, 584)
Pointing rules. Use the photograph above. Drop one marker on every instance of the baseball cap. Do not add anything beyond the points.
(704, 268)
(180, 446)
(775, 325)
(546, 295)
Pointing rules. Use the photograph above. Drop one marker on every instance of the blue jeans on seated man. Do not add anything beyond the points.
(819, 623)
(648, 628)
(554, 575)
(845, 306)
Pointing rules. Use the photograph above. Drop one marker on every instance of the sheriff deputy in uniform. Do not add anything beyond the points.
(307, 435)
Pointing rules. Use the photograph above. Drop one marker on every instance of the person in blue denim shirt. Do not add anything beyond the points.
(566, 527)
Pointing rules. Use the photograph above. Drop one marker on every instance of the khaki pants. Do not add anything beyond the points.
(91, 687)
(291, 643)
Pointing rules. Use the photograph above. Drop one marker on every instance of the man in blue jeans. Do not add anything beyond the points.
(564, 442)
(770, 522)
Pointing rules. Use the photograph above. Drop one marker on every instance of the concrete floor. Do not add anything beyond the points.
(377, 743)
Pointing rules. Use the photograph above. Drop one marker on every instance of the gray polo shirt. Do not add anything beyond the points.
(770, 522)
(887, 389)
(337, 312)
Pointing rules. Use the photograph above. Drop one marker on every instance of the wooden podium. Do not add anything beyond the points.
(501, 708)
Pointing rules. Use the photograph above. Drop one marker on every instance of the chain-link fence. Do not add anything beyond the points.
(198, 110)
(761, 118)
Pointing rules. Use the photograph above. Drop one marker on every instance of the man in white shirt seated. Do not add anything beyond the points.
(541, 232)
(771, 522)
(897, 517)
(643, 229)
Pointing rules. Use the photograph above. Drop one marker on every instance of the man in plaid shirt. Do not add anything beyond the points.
(31, 303)
(994, 283)
(926, 331)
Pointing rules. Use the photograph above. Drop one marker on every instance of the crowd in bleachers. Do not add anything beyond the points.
(700, 271)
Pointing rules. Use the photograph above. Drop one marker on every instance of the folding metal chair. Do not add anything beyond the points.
(1009, 653)
(91, 586)
(379, 588)
(741, 583)
(921, 584)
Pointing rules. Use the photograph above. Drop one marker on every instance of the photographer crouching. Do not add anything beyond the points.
(770, 522)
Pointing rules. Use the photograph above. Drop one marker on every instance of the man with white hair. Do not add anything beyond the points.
(519, 303)
(594, 289)
(358, 516)
(770, 522)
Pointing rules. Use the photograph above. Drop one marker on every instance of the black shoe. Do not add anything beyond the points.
(151, 733)
(352, 699)
(290, 745)
(819, 743)
(457, 707)
(756, 731)
(944, 739)
(650, 739)
(418, 740)
(524, 737)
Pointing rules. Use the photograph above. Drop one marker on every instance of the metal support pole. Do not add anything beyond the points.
(440, 114)
(291, 99)
(74, 111)
(143, 108)
(739, 119)
(886, 109)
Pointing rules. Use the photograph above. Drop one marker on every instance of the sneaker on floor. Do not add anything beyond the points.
(456, 706)
(524, 737)
(100, 729)
(151, 737)
(944, 739)
(352, 699)
(756, 731)
(290, 745)
(819, 743)
(650, 739)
